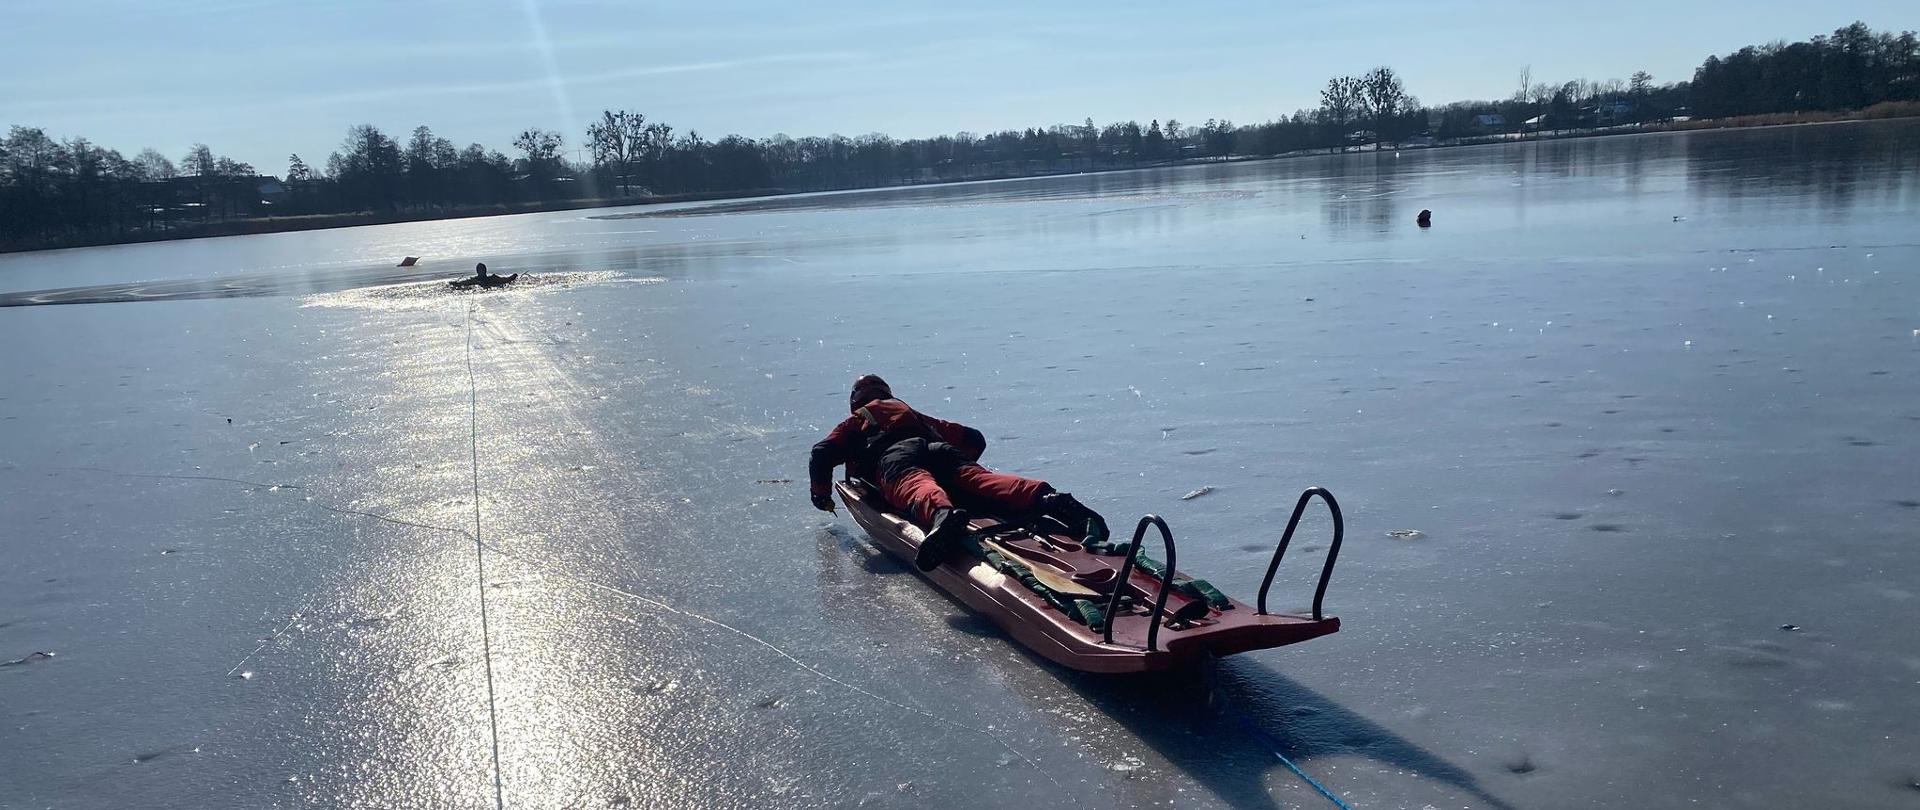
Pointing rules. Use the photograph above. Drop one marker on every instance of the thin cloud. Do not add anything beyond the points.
(542, 82)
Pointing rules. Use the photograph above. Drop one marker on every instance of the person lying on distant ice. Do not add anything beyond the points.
(917, 460)
(481, 279)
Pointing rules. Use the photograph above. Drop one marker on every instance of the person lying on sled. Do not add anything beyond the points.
(917, 460)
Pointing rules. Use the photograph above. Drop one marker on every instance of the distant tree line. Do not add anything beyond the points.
(70, 191)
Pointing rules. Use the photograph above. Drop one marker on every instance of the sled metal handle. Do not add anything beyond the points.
(1333, 551)
(1126, 569)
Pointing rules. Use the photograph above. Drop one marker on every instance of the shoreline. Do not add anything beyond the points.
(315, 222)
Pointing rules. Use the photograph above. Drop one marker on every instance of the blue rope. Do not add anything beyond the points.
(1273, 747)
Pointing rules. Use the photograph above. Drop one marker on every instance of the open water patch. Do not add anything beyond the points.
(425, 294)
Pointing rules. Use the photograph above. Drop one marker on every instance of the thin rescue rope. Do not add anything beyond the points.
(480, 559)
(587, 583)
(1273, 747)
(777, 650)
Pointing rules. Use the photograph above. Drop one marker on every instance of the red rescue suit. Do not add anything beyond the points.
(917, 460)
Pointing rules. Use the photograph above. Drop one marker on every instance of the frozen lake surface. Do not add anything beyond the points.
(1651, 404)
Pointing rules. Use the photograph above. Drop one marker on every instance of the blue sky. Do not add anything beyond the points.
(258, 79)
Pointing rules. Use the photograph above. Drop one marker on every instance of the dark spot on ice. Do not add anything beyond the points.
(774, 481)
(1666, 430)
(150, 756)
(1903, 503)
(1200, 452)
(1250, 547)
(1851, 441)
(1877, 373)
(1610, 411)
(1553, 424)
(1790, 627)
(1406, 534)
(1522, 764)
(772, 702)
(620, 801)
(1196, 493)
(1608, 527)
(1568, 516)
(1588, 454)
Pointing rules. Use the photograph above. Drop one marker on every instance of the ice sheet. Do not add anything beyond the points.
(1594, 461)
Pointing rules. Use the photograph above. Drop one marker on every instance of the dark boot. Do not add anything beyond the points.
(949, 528)
(1063, 507)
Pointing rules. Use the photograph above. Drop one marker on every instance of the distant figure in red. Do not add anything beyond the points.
(916, 460)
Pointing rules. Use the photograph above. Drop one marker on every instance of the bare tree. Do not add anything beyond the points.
(539, 145)
(618, 141)
(1385, 98)
(1341, 101)
(152, 166)
(200, 161)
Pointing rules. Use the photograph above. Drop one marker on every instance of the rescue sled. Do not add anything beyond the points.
(1100, 607)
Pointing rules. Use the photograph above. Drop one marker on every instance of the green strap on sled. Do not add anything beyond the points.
(1085, 611)
(1193, 588)
(1080, 610)
(1089, 614)
(1204, 590)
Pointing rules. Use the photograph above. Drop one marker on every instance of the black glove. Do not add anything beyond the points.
(823, 503)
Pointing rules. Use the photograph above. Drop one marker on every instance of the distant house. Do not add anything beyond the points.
(1536, 122)
(1362, 136)
(1490, 120)
(271, 190)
